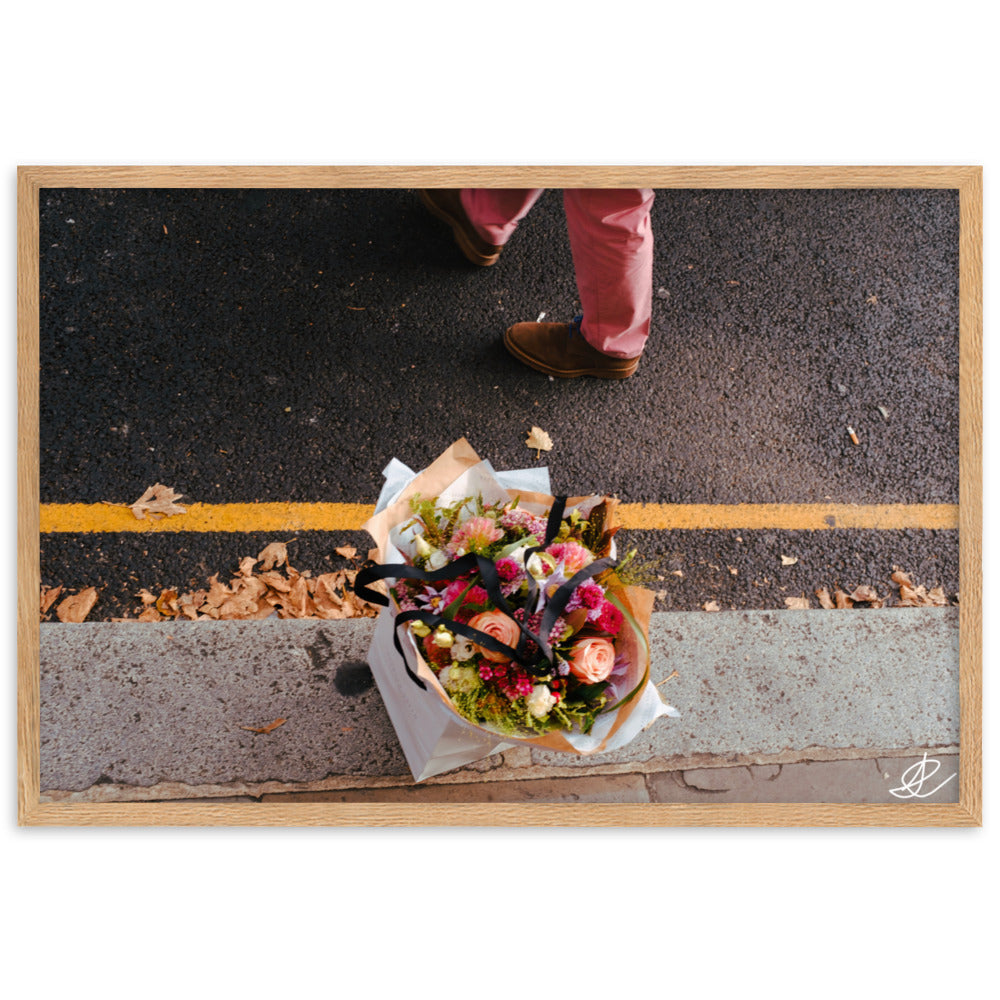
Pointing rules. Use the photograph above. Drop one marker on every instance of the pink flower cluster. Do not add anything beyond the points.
(508, 570)
(588, 595)
(509, 677)
(519, 519)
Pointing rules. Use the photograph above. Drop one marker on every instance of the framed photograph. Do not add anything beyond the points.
(711, 449)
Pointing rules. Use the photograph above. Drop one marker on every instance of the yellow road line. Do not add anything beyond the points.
(284, 517)
(792, 517)
(209, 517)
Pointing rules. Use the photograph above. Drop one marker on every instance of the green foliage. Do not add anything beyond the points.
(488, 707)
(440, 522)
(633, 573)
(588, 693)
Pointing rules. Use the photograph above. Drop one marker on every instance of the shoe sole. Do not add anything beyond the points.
(540, 366)
(458, 231)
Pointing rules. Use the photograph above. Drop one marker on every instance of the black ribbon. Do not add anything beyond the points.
(536, 662)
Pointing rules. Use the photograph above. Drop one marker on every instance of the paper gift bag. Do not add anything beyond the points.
(434, 738)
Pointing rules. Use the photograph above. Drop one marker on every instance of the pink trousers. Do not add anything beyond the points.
(612, 243)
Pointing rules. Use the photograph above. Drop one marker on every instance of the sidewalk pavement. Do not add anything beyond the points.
(775, 706)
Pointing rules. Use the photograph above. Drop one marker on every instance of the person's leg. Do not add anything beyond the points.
(481, 219)
(495, 212)
(612, 242)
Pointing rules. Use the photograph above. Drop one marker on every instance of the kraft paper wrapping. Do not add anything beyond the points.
(434, 736)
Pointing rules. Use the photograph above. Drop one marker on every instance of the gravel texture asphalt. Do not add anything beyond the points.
(243, 345)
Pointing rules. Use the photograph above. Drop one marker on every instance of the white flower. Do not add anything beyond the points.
(438, 558)
(540, 701)
(518, 554)
(461, 648)
(423, 547)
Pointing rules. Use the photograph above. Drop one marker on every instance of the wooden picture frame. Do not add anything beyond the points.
(967, 180)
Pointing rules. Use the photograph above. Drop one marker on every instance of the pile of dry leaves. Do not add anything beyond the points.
(910, 596)
(263, 586)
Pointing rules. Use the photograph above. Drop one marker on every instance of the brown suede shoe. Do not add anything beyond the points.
(559, 349)
(447, 206)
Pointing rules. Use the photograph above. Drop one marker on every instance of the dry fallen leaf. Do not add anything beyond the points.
(347, 551)
(166, 603)
(297, 603)
(265, 729)
(275, 581)
(195, 600)
(252, 586)
(237, 606)
(866, 595)
(48, 598)
(538, 440)
(795, 603)
(76, 607)
(218, 593)
(275, 554)
(789, 560)
(712, 606)
(842, 600)
(158, 501)
(824, 598)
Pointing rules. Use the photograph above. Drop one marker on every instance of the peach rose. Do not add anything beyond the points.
(500, 627)
(592, 660)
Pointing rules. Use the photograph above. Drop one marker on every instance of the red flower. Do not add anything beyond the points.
(610, 619)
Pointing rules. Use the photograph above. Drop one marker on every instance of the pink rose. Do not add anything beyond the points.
(500, 627)
(592, 660)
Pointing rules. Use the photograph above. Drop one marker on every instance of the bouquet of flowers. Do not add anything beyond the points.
(508, 607)
(544, 589)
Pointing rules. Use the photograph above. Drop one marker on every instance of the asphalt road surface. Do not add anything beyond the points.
(283, 345)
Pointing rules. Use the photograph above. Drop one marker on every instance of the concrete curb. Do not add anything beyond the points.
(135, 711)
